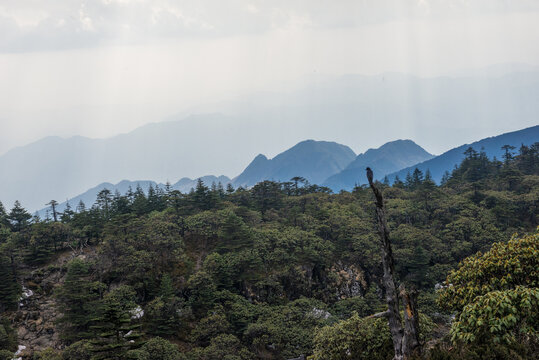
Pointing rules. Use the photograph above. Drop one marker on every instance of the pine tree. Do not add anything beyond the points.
(81, 207)
(39, 246)
(168, 188)
(234, 234)
(77, 299)
(398, 182)
(10, 289)
(130, 195)
(3, 216)
(418, 265)
(508, 154)
(417, 178)
(68, 213)
(120, 204)
(202, 196)
(53, 204)
(104, 201)
(19, 217)
(162, 313)
(445, 178)
(8, 337)
(140, 203)
(409, 182)
(114, 326)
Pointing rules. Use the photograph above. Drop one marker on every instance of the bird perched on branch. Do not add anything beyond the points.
(369, 175)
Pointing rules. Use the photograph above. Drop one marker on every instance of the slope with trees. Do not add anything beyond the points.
(281, 269)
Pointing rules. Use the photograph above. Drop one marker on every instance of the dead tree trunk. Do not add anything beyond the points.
(392, 297)
(405, 340)
(410, 342)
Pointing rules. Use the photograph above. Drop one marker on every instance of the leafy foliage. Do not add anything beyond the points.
(284, 269)
(496, 294)
(505, 266)
(500, 316)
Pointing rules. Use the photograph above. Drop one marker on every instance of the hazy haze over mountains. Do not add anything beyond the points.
(332, 165)
(313, 160)
(390, 157)
(491, 146)
(360, 111)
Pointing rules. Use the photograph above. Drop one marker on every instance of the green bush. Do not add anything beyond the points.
(6, 355)
(81, 350)
(156, 349)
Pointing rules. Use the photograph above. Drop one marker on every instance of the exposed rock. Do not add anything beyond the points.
(349, 281)
(137, 312)
(320, 313)
(35, 321)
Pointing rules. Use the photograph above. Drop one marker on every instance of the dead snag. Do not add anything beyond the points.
(405, 340)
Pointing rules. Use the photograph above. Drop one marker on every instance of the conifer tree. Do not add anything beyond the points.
(162, 313)
(140, 203)
(77, 299)
(53, 204)
(409, 182)
(3, 216)
(67, 214)
(81, 207)
(508, 154)
(10, 289)
(19, 217)
(445, 178)
(417, 178)
(130, 195)
(8, 338)
(104, 201)
(115, 329)
(120, 204)
(202, 196)
(398, 182)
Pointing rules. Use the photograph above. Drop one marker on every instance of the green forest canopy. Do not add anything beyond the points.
(258, 273)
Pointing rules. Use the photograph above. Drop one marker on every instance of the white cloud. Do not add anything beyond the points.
(33, 25)
(126, 62)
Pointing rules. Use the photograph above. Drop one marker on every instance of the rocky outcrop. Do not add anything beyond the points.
(35, 324)
(348, 281)
(35, 320)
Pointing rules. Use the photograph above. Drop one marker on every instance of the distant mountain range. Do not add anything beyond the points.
(313, 160)
(491, 146)
(360, 111)
(334, 165)
(388, 158)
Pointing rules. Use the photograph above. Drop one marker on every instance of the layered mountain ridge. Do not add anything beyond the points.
(390, 157)
(334, 165)
(313, 160)
(492, 146)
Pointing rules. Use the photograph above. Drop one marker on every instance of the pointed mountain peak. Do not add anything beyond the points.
(311, 159)
(259, 158)
(390, 157)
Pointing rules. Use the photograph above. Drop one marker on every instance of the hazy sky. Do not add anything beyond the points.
(102, 67)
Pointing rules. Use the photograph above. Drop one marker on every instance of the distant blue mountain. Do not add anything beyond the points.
(388, 158)
(312, 160)
(336, 164)
(491, 146)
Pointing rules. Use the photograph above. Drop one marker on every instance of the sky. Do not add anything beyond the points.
(104, 67)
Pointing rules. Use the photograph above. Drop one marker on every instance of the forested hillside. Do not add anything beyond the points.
(277, 271)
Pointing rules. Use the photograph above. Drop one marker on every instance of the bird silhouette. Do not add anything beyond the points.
(369, 175)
